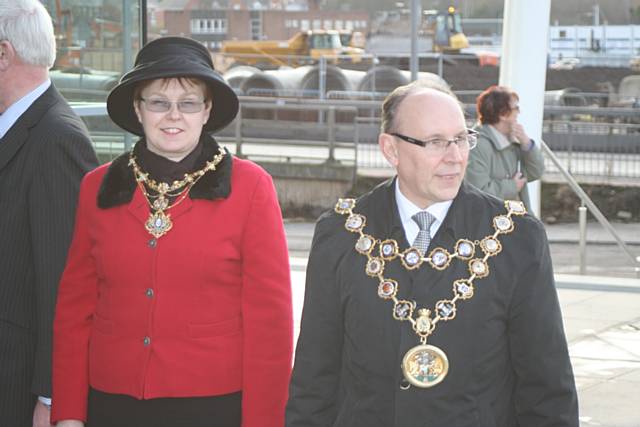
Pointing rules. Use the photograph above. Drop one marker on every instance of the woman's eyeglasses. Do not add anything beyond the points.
(464, 142)
(157, 105)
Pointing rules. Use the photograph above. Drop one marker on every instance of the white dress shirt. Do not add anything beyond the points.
(406, 209)
(11, 115)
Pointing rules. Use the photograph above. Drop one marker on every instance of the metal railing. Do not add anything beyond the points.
(604, 153)
(595, 211)
(326, 125)
(595, 153)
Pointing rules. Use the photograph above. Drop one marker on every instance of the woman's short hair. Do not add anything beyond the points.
(184, 82)
(26, 24)
(494, 102)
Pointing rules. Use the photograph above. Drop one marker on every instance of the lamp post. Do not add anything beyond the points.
(416, 16)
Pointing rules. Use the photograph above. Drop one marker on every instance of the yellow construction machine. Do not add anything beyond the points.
(303, 48)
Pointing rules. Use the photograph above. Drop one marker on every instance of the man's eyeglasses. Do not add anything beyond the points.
(158, 105)
(464, 142)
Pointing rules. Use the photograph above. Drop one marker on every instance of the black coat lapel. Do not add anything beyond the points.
(383, 222)
(18, 134)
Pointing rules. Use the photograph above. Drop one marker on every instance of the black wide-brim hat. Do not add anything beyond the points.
(169, 57)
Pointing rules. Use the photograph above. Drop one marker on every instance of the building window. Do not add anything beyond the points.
(317, 25)
(563, 34)
(256, 29)
(328, 24)
(304, 25)
(339, 24)
(291, 23)
(348, 25)
(208, 26)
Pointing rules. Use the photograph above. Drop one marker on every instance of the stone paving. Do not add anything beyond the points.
(603, 331)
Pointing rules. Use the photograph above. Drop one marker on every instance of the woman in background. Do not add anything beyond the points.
(505, 158)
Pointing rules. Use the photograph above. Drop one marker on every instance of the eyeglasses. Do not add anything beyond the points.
(439, 145)
(158, 105)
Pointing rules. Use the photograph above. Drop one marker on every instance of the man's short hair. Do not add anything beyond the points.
(395, 98)
(494, 102)
(27, 25)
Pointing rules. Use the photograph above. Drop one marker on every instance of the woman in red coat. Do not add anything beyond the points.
(175, 305)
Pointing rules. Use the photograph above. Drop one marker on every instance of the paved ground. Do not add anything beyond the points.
(601, 316)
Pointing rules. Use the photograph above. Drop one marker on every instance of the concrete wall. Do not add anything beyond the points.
(309, 186)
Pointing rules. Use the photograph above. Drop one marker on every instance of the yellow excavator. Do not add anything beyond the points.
(446, 30)
(439, 31)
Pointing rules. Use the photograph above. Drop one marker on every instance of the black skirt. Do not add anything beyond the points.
(118, 410)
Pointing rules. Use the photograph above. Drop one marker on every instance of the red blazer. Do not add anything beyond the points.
(204, 310)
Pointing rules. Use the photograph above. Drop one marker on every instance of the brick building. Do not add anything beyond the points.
(213, 22)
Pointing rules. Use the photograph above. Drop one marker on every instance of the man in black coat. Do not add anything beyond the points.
(44, 152)
(428, 302)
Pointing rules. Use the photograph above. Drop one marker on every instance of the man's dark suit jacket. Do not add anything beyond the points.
(509, 364)
(42, 160)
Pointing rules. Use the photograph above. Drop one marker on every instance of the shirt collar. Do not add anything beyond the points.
(502, 141)
(406, 209)
(17, 109)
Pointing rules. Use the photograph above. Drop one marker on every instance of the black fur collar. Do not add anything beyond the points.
(119, 184)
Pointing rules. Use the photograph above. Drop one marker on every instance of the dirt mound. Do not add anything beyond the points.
(560, 203)
(467, 75)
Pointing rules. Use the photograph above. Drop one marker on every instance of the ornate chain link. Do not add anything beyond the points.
(439, 258)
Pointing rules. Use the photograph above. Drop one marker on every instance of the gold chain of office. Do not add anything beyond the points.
(159, 222)
(426, 365)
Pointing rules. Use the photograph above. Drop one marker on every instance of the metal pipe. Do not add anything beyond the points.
(331, 130)
(356, 142)
(143, 22)
(322, 85)
(322, 78)
(582, 220)
(416, 19)
(239, 132)
(127, 53)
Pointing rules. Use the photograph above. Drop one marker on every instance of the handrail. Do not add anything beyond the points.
(586, 200)
(99, 108)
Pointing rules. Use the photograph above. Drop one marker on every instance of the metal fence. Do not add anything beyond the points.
(299, 130)
(594, 153)
(600, 153)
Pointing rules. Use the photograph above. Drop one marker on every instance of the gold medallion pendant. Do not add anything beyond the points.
(425, 365)
(158, 224)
